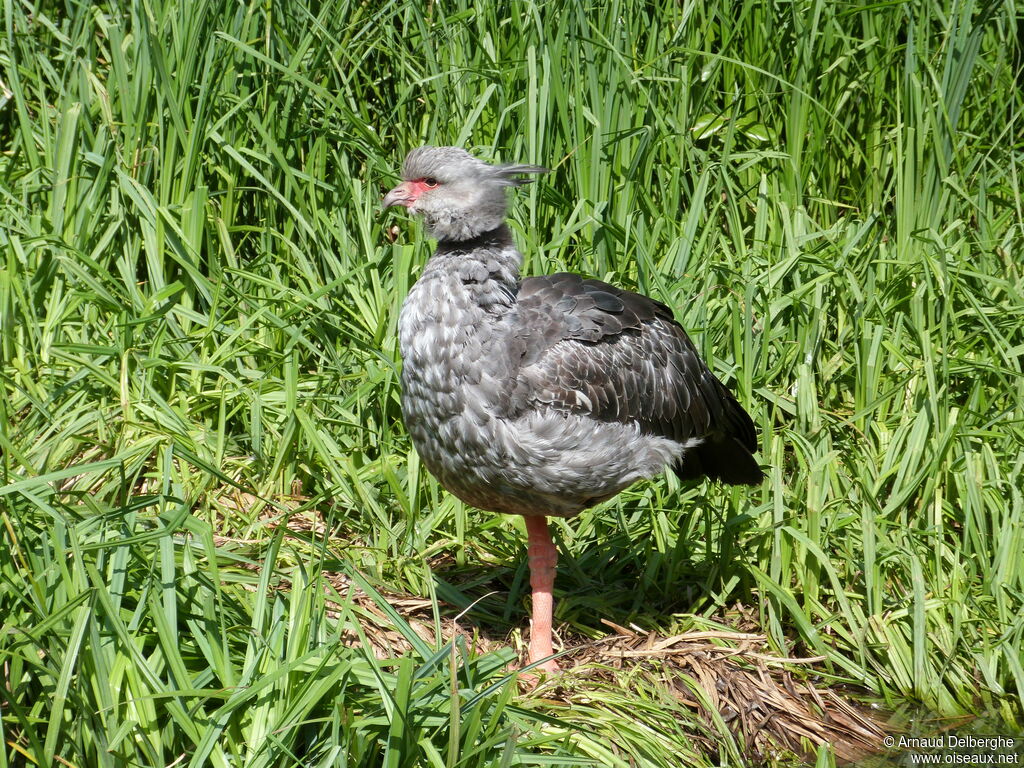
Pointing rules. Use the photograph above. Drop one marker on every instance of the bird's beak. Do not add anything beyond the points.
(403, 194)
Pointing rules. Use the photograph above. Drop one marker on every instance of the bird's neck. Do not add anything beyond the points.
(483, 269)
(459, 224)
(493, 240)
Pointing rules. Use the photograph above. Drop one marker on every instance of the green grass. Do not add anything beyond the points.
(198, 301)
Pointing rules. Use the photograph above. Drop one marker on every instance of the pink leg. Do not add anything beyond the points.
(541, 556)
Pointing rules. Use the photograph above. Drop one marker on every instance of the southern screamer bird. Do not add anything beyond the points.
(544, 395)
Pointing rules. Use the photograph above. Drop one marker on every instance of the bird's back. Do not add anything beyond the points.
(586, 347)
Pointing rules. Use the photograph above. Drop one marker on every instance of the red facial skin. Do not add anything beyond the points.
(408, 192)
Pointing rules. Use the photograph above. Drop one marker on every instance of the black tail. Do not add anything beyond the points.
(725, 455)
(722, 458)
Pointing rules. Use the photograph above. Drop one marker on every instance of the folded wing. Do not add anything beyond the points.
(583, 346)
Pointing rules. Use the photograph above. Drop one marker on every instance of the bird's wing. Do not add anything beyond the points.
(584, 346)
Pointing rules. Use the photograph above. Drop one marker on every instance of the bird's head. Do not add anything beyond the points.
(458, 196)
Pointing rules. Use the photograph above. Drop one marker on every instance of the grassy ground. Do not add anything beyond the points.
(201, 453)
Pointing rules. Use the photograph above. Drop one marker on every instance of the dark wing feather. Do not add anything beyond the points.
(588, 347)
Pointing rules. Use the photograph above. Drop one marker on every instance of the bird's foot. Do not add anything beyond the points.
(549, 667)
(543, 672)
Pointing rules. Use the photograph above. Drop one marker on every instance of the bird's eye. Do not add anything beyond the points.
(430, 181)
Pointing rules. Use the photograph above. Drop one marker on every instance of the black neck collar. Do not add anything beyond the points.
(496, 238)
